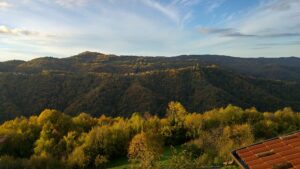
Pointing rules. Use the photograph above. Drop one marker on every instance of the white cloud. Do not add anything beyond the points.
(273, 17)
(273, 22)
(4, 5)
(214, 5)
(71, 3)
(185, 2)
(112, 28)
(16, 31)
(166, 10)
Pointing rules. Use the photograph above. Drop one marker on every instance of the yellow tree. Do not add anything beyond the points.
(84, 121)
(145, 148)
(175, 131)
(234, 137)
(176, 112)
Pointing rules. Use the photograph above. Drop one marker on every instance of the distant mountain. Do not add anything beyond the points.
(120, 85)
(10, 66)
(287, 68)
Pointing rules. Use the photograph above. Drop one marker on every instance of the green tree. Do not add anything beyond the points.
(181, 160)
(44, 162)
(9, 162)
(101, 162)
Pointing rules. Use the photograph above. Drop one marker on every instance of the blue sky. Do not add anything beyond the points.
(61, 28)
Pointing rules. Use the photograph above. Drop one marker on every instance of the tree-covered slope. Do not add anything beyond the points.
(271, 68)
(120, 92)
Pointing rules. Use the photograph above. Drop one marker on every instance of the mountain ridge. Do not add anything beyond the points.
(272, 68)
(86, 53)
(121, 85)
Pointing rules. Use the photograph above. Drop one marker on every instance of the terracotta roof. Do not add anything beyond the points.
(277, 153)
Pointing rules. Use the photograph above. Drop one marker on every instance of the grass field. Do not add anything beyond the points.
(122, 163)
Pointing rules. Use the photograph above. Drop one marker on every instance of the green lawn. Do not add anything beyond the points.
(122, 163)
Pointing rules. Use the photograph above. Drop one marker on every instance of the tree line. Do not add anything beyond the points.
(56, 140)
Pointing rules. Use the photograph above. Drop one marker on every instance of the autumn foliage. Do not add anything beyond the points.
(56, 140)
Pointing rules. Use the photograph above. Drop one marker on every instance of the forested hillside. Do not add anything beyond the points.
(286, 68)
(121, 85)
(54, 140)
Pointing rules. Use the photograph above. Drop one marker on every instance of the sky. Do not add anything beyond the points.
(62, 28)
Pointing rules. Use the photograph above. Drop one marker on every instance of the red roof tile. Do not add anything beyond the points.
(277, 145)
(271, 153)
(295, 162)
(281, 150)
(246, 154)
(250, 158)
(261, 166)
(271, 157)
(276, 161)
(255, 162)
(292, 156)
(295, 144)
(288, 152)
(259, 150)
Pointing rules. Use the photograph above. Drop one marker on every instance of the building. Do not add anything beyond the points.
(277, 153)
